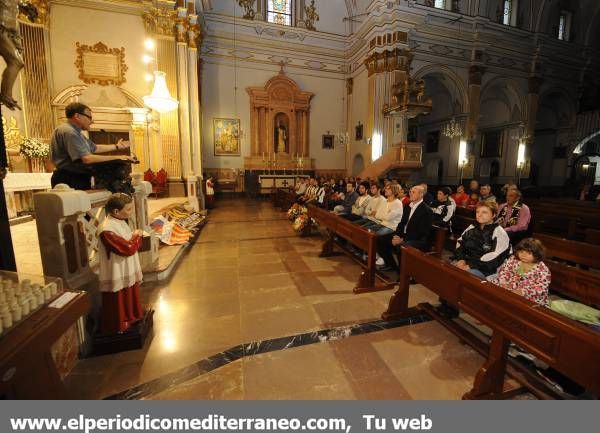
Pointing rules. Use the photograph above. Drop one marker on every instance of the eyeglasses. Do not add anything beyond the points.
(86, 115)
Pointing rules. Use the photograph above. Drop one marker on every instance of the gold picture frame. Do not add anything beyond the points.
(227, 136)
(99, 64)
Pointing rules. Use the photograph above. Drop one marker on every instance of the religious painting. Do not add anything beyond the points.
(491, 144)
(227, 137)
(358, 131)
(432, 142)
(328, 141)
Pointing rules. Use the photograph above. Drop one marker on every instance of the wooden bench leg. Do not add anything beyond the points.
(489, 381)
(398, 306)
(327, 248)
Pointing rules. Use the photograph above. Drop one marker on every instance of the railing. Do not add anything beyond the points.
(67, 224)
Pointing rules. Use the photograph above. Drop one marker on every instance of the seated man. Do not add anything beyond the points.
(300, 187)
(349, 199)
(376, 200)
(486, 195)
(514, 216)
(309, 192)
(74, 155)
(360, 205)
(413, 229)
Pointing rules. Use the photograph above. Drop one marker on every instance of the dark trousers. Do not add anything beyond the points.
(386, 250)
(351, 217)
(75, 180)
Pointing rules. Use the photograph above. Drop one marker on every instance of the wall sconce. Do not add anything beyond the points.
(462, 157)
(521, 155)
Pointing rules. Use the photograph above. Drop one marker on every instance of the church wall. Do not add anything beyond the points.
(331, 13)
(359, 111)
(69, 25)
(219, 101)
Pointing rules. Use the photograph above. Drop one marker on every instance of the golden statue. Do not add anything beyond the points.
(311, 16)
(11, 46)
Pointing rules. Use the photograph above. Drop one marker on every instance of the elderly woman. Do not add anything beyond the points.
(514, 216)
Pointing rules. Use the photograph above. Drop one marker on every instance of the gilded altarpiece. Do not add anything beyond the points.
(279, 124)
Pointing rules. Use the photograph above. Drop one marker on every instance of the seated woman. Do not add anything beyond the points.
(460, 196)
(443, 208)
(473, 200)
(388, 214)
(484, 246)
(403, 196)
(524, 273)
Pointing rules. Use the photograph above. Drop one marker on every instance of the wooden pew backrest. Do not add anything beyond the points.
(564, 344)
(581, 253)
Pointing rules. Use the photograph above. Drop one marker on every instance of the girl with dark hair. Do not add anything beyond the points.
(524, 273)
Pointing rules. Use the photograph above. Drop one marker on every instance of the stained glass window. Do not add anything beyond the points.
(561, 27)
(507, 12)
(564, 25)
(279, 12)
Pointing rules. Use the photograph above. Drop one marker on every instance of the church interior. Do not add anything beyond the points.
(243, 128)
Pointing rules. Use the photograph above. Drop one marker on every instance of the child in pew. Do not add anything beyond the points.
(484, 246)
(524, 273)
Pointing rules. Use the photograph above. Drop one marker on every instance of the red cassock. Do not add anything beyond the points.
(122, 308)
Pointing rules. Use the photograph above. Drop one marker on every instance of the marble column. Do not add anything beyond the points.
(475, 76)
(262, 137)
(533, 96)
(183, 91)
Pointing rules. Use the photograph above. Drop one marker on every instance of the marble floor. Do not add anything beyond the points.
(252, 312)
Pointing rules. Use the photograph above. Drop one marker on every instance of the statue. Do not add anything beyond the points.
(311, 16)
(281, 137)
(11, 45)
(248, 6)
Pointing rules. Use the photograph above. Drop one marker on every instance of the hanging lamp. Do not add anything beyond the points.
(160, 99)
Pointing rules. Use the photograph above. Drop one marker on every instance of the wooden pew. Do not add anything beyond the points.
(578, 284)
(365, 240)
(284, 198)
(569, 347)
(565, 217)
(357, 236)
(581, 253)
(592, 236)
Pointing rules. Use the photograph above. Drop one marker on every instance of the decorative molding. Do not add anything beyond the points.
(388, 61)
(43, 12)
(100, 64)
(12, 134)
(278, 33)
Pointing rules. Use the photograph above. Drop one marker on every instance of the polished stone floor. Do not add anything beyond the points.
(249, 281)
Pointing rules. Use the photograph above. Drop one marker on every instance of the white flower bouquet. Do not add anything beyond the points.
(32, 148)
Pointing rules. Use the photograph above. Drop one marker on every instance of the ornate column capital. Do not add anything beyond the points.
(159, 21)
(43, 12)
(397, 59)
